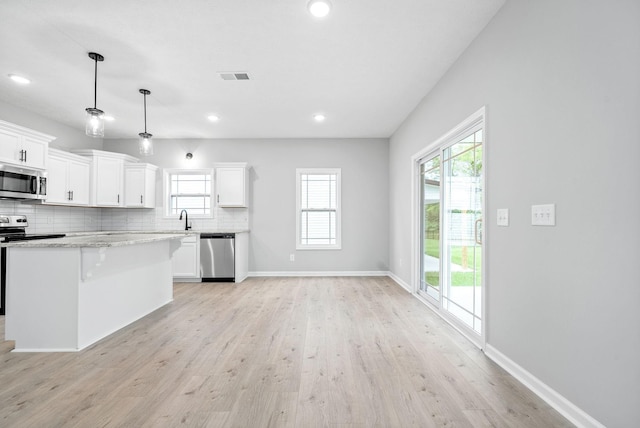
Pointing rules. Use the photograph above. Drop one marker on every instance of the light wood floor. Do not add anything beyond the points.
(272, 352)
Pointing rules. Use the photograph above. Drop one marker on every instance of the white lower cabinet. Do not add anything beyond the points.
(186, 260)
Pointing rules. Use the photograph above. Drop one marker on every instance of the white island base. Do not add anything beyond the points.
(65, 299)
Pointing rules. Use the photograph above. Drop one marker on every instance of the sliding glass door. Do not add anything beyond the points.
(451, 210)
(430, 193)
(462, 221)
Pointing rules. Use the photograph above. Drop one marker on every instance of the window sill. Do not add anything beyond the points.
(318, 247)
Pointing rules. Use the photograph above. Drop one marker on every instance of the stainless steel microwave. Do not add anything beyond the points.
(21, 183)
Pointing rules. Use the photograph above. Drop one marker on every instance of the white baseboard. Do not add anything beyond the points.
(400, 282)
(322, 273)
(569, 410)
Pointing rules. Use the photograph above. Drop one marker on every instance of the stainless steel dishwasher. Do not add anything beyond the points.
(217, 257)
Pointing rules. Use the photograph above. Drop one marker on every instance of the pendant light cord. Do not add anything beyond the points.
(95, 84)
(145, 113)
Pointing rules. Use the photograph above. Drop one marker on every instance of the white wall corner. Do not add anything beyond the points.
(565, 407)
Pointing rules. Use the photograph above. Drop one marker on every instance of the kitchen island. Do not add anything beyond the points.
(67, 293)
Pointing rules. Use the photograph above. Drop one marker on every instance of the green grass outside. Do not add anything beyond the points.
(432, 248)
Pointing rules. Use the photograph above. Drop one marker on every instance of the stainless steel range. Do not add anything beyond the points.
(14, 228)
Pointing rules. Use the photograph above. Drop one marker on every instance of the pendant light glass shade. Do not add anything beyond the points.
(94, 122)
(145, 143)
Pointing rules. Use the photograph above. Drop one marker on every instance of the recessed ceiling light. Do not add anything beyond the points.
(109, 118)
(319, 117)
(213, 118)
(19, 79)
(319, 8)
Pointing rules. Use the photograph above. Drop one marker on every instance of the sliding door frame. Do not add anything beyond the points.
(479, 117)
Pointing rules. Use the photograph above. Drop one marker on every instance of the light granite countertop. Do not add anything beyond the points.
(176, 231)
(112, 238)
(96, 240)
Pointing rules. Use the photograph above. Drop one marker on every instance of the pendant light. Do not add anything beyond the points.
(94, 124)
(145, 144)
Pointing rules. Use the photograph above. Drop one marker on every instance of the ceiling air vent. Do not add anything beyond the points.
(231, 75)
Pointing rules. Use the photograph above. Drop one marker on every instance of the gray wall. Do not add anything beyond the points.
(67, 138)
(273, 163)
(561, 82)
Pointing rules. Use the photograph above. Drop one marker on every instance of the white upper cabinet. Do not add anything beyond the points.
(108, 188)
(140, 185)
(68, 179)
(231, 185)
(107, 177)
(23, 147)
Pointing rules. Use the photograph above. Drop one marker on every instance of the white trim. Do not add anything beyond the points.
(565, 407)
(338, 173)
(39, 350)
(318, 273)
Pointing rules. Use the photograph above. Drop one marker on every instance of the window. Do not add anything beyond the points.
(318, 209)
(188, 189)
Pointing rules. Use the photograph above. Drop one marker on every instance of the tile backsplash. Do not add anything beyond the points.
(60, 219)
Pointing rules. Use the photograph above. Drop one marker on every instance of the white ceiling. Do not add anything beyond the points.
(366, 66)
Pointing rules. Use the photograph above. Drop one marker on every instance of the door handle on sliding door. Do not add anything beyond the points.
(478, 231)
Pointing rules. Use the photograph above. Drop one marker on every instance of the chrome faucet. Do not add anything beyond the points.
(186, 219)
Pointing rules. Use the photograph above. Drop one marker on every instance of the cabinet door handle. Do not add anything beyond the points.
(218, 198)
(140, 198)
(69, 195)
(25, 155)
(22, 156)
(72, 195)
(118, 197)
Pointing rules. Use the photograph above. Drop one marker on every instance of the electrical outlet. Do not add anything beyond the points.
(503, 217)
(543, 215)
(292, 257)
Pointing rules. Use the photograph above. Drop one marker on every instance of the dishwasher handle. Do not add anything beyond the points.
(217, 236)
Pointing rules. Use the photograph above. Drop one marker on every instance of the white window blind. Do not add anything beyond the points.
(188, 190)
(318, 216)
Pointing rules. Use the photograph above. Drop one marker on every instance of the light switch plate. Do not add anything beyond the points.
(503, 217)
(543, 215)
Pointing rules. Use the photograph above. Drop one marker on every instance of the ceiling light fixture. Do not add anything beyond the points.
(109, 118)
(145, 144)
(319, 8)
(94, 125)
(213, 118)
(189, 156)
(319, 117)
(19, 79)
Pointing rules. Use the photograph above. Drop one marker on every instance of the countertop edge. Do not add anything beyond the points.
(68, 241)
